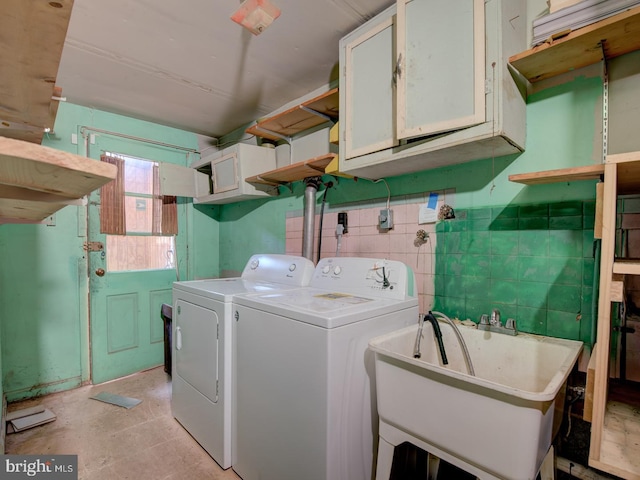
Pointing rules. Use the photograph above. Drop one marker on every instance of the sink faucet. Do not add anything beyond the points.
(437, 334)
(494, 324)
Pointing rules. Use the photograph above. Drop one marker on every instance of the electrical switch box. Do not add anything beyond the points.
(385, 219)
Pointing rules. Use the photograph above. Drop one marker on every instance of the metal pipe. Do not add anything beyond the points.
(309, 216)
(137, 139)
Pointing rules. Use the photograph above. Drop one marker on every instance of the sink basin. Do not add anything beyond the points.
(496, 424)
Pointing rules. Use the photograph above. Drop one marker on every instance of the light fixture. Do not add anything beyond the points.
(256, 15)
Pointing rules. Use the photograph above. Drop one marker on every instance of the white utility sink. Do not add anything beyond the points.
(496, 424)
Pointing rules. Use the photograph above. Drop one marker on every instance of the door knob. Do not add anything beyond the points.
(100, 272)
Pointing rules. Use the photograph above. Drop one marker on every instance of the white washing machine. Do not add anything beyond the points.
(305, 404)
(202, 345)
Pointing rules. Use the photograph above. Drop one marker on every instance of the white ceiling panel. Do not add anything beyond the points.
(188, 65)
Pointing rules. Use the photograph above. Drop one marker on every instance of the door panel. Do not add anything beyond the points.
(370, 109)
(197, 347)
(122, 322)
(441, 60)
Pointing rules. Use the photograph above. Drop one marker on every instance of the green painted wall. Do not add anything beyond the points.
(43, 279)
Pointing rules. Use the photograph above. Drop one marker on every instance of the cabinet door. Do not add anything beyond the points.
(440, 65)
(182, 181)
(225, 173)
(370, 92)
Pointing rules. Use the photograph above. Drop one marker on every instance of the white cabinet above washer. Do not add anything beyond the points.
(426, 84)
(219, 178)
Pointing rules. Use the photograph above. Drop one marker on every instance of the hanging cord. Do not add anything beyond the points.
(339, 232)
(388, 190)
(579, 395)
(327, 186)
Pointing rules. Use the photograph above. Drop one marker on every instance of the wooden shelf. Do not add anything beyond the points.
(615, 423)
(299, 118)
(627, 266)
(33, 35)
(589, 172)
(36, 181)
(620, 437)
(292, 173)
(620, 33)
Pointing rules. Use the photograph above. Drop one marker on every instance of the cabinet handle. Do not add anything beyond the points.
(397, 72)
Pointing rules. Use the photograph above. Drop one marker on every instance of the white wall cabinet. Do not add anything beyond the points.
(220, 177)
(426, 84)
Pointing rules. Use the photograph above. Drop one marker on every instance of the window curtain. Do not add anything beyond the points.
(165, 209)
(112, 211)
(164, 220)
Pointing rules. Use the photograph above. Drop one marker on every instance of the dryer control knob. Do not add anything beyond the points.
(254, 264)
(292, 267)
(337, 270)
(326, 269)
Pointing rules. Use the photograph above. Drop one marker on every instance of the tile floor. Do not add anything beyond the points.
(144, 442)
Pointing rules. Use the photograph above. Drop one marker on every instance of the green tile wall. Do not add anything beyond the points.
(533, 262)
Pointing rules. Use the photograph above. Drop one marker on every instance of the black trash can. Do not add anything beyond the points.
(166, 312)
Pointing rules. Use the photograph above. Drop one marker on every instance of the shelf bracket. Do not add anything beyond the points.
(274, 183)
(275, 134)
(288, 186)
(315, 112)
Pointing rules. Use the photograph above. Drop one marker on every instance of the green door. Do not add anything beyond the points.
(130, 277)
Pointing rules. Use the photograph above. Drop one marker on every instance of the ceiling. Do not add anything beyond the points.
(186, 64)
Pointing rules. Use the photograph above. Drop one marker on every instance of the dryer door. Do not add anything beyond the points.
(196, 347)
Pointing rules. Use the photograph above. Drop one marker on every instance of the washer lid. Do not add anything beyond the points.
(327, 309)
(223, 289)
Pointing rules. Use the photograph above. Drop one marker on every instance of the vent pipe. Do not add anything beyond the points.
(309, 220)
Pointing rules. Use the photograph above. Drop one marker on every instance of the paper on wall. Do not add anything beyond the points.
(429, 211)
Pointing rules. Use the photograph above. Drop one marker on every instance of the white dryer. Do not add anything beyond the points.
(305, 404)
(202, 345)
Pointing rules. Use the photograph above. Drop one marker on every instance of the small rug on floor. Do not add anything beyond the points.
(126, 402)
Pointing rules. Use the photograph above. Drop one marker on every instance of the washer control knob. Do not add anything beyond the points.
(292, 267)
(337, 270)
(254, 264)
(326, 269)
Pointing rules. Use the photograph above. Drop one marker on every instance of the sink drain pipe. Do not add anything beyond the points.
(309, 216)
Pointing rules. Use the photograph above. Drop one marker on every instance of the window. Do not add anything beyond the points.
(140, 223)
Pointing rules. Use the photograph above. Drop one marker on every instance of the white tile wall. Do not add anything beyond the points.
(365, 239)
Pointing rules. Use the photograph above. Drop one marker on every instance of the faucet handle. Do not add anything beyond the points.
(511, 324)
(495, 318)
(484, 319)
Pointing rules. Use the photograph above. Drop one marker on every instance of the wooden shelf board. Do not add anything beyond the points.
(36, 181)
(621, 34)
(620, 440)
(617, 287)
(588, 172)
(30, 51)
(292, 173)
(296, 119)
(627, 266)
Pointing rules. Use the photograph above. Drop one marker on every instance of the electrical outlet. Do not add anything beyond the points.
(342, 220)
(385, 219)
